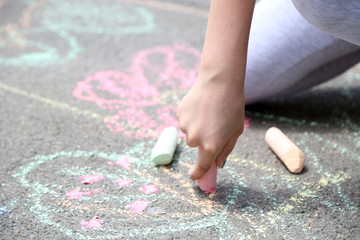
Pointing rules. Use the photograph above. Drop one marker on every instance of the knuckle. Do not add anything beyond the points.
(182, 128)
(202, 167)
(211, 148)
(192, 139)
(182, 125)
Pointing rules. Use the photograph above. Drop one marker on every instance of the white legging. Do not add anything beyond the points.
(294, 48)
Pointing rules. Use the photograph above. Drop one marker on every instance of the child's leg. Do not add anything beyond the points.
(287, 54)
(339, 18)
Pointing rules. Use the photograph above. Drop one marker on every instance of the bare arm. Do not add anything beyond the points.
(212, 113)
(227, 35)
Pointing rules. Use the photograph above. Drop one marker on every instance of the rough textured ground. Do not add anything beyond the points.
(86, 86)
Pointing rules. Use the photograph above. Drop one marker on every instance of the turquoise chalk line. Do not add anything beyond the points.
(62, 19)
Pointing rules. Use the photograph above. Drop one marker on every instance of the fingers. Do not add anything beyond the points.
(205, 159)
(227, 149)
(208, 155)
(190, 140)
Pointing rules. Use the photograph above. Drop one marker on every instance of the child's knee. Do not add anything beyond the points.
(322, 14)
(339, 18)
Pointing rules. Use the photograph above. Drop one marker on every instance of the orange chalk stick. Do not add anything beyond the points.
(285, 149)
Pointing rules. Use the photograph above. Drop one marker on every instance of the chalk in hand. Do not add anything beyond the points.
(165, 146)
(285, 149)
(207, 182)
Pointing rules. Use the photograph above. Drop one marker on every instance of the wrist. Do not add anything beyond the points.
(226, 76)
(221, 83)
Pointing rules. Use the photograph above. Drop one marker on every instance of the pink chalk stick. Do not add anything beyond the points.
(207, 182)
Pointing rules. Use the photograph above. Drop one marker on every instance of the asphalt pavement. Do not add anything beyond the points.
(86, 86)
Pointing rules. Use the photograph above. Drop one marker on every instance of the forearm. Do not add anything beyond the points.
(225, 46)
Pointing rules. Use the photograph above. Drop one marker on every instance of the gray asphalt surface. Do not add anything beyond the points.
(86, 86)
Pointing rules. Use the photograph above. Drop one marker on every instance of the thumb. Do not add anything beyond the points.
(203, 163)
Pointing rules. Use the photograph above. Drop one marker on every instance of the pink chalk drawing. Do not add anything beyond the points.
(148, 189)
(123, 182)
(110, 163)
(138, 206)
(136, 99)
(77, 194)
(125, 162)
(93, 223)
(90, 179)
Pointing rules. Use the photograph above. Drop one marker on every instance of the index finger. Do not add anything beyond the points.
(203, 163)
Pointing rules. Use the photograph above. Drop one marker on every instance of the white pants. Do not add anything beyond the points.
(287, 54)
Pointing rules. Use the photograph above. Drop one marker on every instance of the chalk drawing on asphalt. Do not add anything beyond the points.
(167, 197)
(61, 20)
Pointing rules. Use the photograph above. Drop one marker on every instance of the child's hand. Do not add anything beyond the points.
(212, 117)
(212, 113)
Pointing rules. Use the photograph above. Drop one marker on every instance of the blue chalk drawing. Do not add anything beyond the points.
(37, 53)
(86, 16)
(4, 209)
(64, 19)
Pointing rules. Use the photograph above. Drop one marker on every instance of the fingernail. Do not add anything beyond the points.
(223, 164)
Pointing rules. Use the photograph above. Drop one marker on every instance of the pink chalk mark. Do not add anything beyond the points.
(93, 223)
(247, 122)
(110, 163)
(123, 182)
(90, 179)
(130, 96)
(138, 206)
(77, 194)
(148, 189)
(125, 162)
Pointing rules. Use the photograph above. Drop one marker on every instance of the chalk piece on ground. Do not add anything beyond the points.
(207, 182)
(165, 146)
(285, 149)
